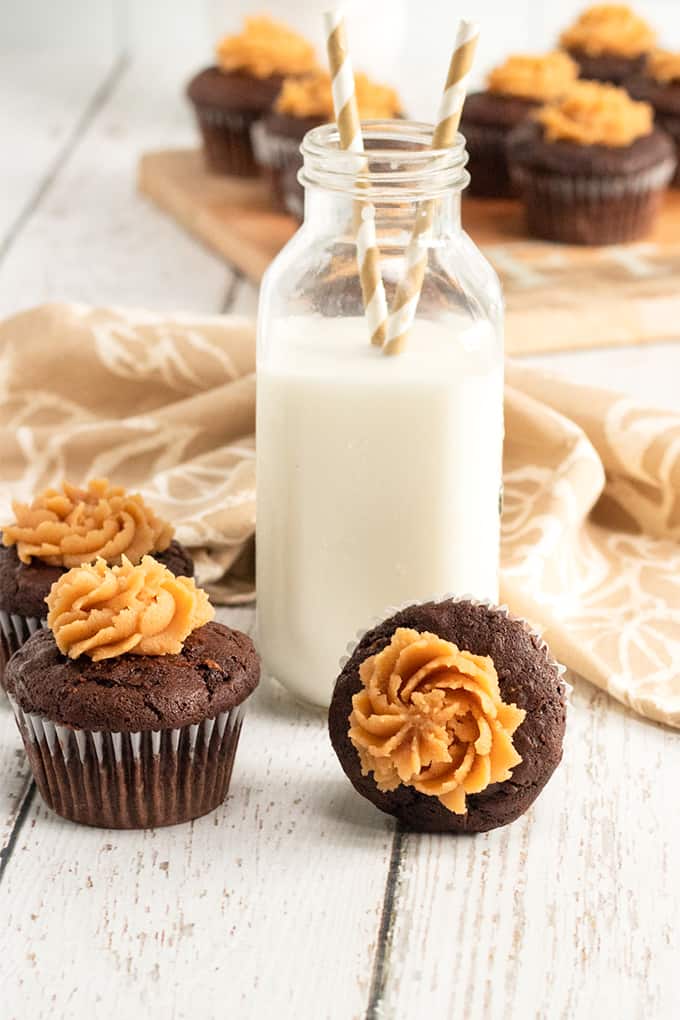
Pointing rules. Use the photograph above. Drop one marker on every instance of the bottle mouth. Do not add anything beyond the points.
(397, 164)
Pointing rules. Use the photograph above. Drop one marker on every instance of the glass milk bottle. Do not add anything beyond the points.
(378, 477)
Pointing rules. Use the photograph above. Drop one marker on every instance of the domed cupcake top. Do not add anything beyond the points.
(664, 66)
(431, 717)
(103, 611)
(609, 29)
(542, 78)
(595, 114)
(69, 526)
(311, 96)
(264, 48)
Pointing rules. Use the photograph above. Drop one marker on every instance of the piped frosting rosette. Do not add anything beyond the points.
(431, 716)
(70, 525)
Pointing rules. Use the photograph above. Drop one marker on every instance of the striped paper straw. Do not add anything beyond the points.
(448, 118)
(349, 128)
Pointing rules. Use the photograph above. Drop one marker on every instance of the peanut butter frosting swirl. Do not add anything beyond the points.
(69, 526)
(595, 114)
(541, 78)
(311, 96)
(609, 29)
(103, 611)
(664, 66)
(432, 717)
(264, 48)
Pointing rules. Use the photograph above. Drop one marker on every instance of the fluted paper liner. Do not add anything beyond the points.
(15, 630)
(131, 780)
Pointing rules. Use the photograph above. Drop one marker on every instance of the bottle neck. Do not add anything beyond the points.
(330, 213)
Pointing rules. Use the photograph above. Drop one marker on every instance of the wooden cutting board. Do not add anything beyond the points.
(558, 297)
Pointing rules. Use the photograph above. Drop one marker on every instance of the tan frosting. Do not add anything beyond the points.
(431, 716)
(69, 526)
(103, 611)
(664, 66)
(534, 77)
(264, 48)
(609, 29)
(595, 114)
(311, 96)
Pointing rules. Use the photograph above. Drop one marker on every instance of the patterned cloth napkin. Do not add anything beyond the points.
(591, 525)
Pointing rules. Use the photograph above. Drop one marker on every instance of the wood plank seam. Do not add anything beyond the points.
(101, 95)
(380, 973)
(232, 290)
(21, 816)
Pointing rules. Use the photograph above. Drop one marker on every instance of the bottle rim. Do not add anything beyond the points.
(397, 162)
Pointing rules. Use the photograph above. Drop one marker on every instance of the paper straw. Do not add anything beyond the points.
(349, 128)
(448, 118)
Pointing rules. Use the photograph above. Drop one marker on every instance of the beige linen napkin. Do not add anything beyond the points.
(591, 525)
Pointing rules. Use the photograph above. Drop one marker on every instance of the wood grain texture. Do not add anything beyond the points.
(570, 912)
(296, 899)
(273, 901)
(543, 283)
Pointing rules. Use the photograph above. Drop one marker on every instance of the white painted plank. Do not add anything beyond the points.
(270, 904)
(15, 774)
(244, 299)
(650, 373)
(569, 913)
(93, 238)
(43, 97)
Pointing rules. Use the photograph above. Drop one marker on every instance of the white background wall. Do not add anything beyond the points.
(405, 41)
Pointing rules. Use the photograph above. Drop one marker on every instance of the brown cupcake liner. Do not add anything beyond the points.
(131, 780)
(279, 159)
(226, 140)
(487, 161)
(592, 210)
(15, 630)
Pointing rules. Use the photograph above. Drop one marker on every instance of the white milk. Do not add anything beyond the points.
(377, 483)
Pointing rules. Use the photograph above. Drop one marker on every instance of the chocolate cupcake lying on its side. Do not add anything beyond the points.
(513, 91)
(449, 716)
(659, 85)
(591, 168)
(609, 42)
(130, 705)
(305, 103)
(63, 528)
(230, 97)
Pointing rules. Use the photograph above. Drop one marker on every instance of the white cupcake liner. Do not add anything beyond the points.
(274, 150)
(15, 630)
(131, 780)
(230, 120)
(501, 610)
(591, 189)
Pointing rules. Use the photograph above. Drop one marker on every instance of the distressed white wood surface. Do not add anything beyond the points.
(296, 897)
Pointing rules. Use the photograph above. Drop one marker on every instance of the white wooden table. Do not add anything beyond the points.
(297, 899)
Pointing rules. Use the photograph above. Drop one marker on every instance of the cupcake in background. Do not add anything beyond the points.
(62, 528)
(609, 42)
(659, 85)
(229, 97)
(591, 167)
(513, 91)
(302, 104)
(130, 703)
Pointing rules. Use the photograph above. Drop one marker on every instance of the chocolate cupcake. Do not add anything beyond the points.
(230, 97)
(659, 85)
(63, 528)
(609, 42)
(450, 716)
(130, 705)
(302, 104)
(591, 168)
(513, 91)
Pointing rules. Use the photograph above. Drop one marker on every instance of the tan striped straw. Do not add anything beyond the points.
(349, 129)
(407, 294)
